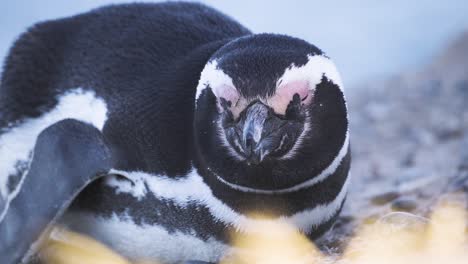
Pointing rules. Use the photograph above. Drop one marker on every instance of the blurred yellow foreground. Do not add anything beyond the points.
(405, 239)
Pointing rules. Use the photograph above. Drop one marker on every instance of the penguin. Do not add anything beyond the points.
(160, 128)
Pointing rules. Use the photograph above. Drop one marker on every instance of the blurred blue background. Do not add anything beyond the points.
(366, 39)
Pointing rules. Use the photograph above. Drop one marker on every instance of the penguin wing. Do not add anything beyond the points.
(67, 157)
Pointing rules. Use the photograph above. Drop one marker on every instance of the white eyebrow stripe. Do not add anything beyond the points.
(212, 76)
(312, 71)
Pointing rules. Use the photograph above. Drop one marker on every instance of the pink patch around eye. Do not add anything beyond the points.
(285, 93)
(227, 92)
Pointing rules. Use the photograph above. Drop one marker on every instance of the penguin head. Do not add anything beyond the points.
(268, 109)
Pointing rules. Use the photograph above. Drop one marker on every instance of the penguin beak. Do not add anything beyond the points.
(252, 143)
(259, 133)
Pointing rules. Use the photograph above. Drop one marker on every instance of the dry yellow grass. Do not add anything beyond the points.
(66, 247)
(404, 239)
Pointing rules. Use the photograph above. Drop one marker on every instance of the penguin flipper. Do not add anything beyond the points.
(68, 156)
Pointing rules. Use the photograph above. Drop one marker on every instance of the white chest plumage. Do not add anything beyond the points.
(192, 189)
(145, 242)
(155, 242)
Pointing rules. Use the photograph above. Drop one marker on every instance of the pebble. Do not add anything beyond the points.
(196, 262)
(344, 220)
(370, 220)
(405, 205)
(459, 183)
(404, 220)
(384, 198)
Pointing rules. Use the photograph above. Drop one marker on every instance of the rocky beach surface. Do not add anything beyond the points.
(409, 139)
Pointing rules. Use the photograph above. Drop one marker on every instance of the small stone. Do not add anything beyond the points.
(344, 220)
(404, 220)
(464, 154)
(196, 262)
(405, 205)
(384, 198)
(344, 225)
(408, 160)
(449, 133)
(370, 220)
(460, 182)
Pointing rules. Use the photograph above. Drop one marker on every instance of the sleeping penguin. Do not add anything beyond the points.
(158, 129)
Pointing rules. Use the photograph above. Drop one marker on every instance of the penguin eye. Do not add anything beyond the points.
(287, 93)
(229, 99)
(226, 94)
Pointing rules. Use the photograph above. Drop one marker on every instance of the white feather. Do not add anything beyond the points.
(226, 144)
(193, 189)
(309, 183)
(17, 143)
(146, 242)
(316, 67)
(312, 71)
(213, 77)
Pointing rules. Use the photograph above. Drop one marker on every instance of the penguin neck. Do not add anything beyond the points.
(326, 189)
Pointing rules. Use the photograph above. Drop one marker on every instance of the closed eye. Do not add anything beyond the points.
(229, 99)
(286, 93)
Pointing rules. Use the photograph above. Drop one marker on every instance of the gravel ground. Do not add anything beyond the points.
(409, 143)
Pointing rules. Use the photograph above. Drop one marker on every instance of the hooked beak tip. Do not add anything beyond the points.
(257, 156)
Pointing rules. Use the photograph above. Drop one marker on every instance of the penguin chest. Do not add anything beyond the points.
(152, 242)
(149, 217)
